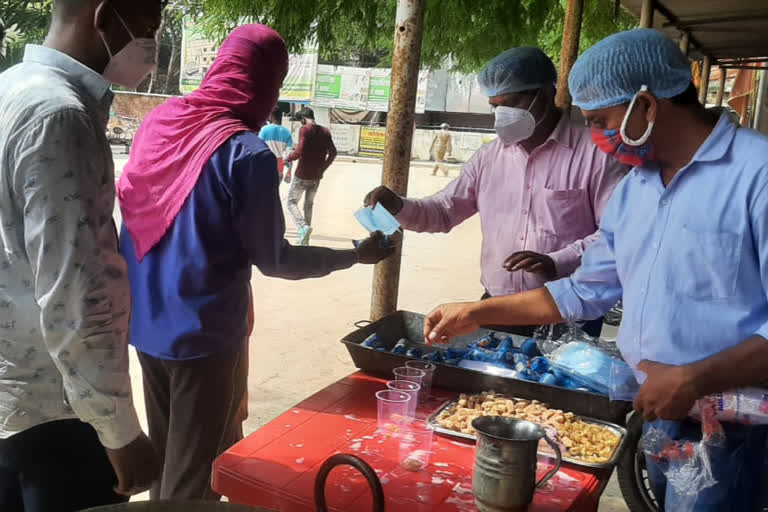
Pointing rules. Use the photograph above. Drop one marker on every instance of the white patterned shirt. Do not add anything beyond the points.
(64, 292)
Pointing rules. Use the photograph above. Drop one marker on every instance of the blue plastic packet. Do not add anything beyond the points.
(530, 348)
(540, 364)
(373, 341)
(414, 353)
(401, 347)
(548, 379)
(377, 219)
(519, 357)
(456, 353)
(585, 365)
(453, 362)
(435, 357)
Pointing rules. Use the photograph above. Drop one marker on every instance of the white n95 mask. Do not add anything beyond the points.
(131, 65)
(514, 124)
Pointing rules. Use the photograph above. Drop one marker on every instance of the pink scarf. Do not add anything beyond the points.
(177, 139)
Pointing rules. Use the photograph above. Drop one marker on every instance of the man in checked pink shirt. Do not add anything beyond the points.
(540, 187)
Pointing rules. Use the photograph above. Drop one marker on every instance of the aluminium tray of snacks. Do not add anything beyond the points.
(405, 324)
(616, 429)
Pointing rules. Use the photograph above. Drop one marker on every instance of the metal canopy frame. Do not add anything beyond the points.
(725, 33)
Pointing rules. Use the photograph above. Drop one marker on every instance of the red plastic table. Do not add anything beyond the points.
(275, 467)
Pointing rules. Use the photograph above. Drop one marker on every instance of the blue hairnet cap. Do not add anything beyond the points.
(515, 70)
(612, 71)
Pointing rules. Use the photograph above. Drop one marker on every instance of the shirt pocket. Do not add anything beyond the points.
(564, 213)
(707, 263)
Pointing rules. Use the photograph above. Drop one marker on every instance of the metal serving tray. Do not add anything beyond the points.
(619, 431)
(405, 324)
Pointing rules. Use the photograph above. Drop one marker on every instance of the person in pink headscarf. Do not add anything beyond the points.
(200, 206)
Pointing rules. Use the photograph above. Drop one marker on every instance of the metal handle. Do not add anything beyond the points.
(362, 323)
(558, 462)
(350, 460)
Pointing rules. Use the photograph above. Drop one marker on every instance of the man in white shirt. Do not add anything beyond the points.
(69, 435)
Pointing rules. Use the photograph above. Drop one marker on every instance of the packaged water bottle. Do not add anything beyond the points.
(401, 347)
(414, 353)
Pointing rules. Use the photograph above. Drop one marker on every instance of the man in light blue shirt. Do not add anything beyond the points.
(684, 241)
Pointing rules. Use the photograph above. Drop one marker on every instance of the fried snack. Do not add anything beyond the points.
(582, 441)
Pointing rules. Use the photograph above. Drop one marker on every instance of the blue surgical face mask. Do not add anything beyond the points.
(377, 219)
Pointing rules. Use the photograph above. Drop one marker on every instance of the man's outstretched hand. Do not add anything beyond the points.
(375, 248)
(384, 196)
(448, 321)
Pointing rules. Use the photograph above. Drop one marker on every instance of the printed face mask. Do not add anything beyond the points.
(620, 145)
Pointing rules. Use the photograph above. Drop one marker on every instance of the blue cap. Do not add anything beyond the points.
(612, 71)
(515, 70)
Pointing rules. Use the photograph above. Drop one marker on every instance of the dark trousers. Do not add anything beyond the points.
(738, 466)
(58, 466)
(195, 412)
(591, 327)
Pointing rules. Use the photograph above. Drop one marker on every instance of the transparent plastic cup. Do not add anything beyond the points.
(429, 373)
(412, 389)
(415, 445)
(394, 407)
(410, 374)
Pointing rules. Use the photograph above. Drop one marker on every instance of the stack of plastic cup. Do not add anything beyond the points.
(410, 374)
(429, 373)
(394, 407)
(415, 445)
(412, 389)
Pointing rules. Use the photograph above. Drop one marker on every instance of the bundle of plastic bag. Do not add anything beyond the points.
(586, 364)
(686, 465)
(551, 337)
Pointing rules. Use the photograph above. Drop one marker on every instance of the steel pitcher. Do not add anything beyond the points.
(504, 477)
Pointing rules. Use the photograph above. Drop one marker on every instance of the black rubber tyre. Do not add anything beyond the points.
(633, 479)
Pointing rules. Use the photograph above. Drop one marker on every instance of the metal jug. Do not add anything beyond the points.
(504, 477)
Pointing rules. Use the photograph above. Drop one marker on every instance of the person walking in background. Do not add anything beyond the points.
(70, 437)
(279, 141)
(201, 207)
(315, 153)
(442, 145)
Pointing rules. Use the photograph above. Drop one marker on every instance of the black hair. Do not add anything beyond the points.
(688, 97)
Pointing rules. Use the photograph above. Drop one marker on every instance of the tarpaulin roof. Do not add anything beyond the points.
(732, 29)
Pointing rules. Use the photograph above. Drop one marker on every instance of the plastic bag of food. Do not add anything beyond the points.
(686, 465)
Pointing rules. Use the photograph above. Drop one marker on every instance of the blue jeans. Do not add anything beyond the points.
(737, 466)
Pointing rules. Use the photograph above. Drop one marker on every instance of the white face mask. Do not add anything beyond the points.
(623, 132)
(514, 124)
(131, 65)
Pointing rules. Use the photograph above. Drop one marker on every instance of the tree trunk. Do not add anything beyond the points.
(171, 64)
(159, 42)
